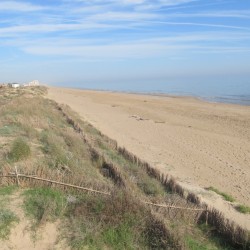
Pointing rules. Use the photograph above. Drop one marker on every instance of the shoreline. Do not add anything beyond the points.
(201, 144)
(207, 99)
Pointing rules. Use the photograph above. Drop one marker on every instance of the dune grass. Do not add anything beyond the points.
(243, 209)
(20, 150)
(226, 196)
(44, 204)
(7, 220)
(8, 190)
(7, 217)
(121, 221)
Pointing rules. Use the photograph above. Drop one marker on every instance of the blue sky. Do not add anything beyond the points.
(126, 44)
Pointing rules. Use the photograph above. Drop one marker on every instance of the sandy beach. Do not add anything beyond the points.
(201, 144)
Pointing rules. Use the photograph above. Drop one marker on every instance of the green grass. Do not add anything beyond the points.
(226, 196)
(243, 209)
(119, 237)
(20, 150)
(8, 190)
(151, 187)
(193, 244)
(107, 223)
(53, 147)
(7, 220)
(212, 241)
(9, 130)
(44, 204)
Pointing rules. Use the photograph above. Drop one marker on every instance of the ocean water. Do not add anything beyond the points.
(214, 91)
(234, 99)
(235, 93)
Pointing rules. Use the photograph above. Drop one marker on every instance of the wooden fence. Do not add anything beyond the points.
(17, 176)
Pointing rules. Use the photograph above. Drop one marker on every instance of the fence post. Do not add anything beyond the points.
(17, 179)
(206, 216)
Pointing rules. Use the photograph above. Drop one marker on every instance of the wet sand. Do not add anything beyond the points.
(201, 144)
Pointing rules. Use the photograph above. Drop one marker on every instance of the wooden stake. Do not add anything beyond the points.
(17, 179)
(206, 217)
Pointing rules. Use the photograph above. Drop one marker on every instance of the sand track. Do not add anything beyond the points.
(22, 236)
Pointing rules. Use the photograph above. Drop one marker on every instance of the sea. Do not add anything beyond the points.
(236, 93)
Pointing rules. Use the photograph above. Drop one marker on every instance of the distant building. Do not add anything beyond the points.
(32, 83)
(15, 85)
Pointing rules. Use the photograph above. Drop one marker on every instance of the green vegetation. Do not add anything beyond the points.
(44, 204)
(243, 209)
(148, 185)
(227, 197)
(122, 224)
(20, 150)
(195, 245)
(9, 130)
(7, 219)
(8, 190)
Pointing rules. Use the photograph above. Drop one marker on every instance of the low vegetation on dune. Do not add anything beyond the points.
(226, 196)
(243, 209)
(7, 218)
(46, 140)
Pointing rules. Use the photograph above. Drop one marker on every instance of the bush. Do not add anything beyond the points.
(20, 150)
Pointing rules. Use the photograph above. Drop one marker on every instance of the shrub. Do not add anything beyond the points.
(20, 150)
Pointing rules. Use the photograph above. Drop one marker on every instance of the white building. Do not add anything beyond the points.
(15, 85)
(32, 83)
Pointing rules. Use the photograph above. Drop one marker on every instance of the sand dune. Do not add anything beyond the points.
(201, 144)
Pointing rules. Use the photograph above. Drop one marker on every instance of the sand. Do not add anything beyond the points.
(201, 144)
(23, 236)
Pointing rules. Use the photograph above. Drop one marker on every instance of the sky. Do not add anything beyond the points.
(127, 44)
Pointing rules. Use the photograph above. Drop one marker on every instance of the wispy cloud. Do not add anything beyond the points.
(212, 25)
(245, 14)
(15, 6)
(125, 30)
(50, 28)
(143, 48)
(123, 16)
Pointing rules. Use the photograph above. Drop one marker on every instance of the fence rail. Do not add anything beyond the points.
(34, 177)
(17, 176)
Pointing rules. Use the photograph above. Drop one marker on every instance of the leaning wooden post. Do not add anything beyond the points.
(17, 179)
(206, 216)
